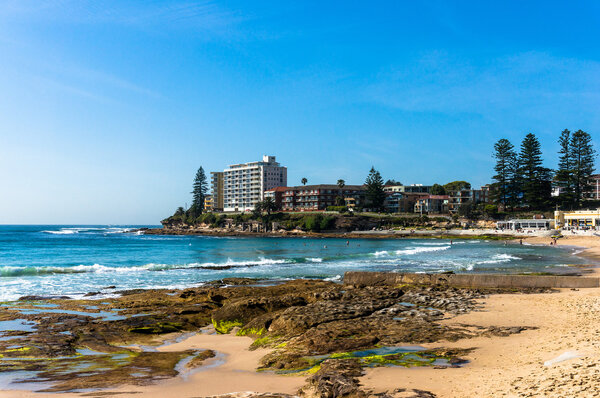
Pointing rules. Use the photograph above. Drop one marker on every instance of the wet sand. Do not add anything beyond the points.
(233, 370)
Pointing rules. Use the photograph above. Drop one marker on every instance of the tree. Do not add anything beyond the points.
(564, 177)
(268, 205)
(340, 200)
(199, 192)
(583, 156)
(375, 193)
(457, 186)
(533, 177)
(437, 189)
(393, 182)
(179, 212)
(304, 180)
(506, 170)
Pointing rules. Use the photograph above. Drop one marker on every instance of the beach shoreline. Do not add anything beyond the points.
(559, 324)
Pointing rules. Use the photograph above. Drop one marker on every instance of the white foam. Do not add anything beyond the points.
(315, 259)
(61, 232)
(499, 258)
(381, 253)
(417, 250)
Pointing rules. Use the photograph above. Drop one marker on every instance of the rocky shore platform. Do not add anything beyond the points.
(325, 332)
(488, 234)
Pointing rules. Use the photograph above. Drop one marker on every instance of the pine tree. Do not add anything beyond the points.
(375, 193)
(199, 192)
(532, 176)
(506, 168)
(564, 174)
(583, 157)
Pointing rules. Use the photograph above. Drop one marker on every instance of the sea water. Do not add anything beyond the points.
(74, 260)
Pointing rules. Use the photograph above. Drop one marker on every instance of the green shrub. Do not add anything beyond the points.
(341, 209)
(312, 222)
(326, 222)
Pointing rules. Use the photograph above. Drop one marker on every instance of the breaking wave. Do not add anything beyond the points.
(499, 258)
(416, 250)
(88, 230)
(12, 271)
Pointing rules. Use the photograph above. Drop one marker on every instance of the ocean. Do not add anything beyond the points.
(74, 260)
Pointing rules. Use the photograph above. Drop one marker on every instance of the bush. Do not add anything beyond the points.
(341, 209)
(312, 223)
(326, 222)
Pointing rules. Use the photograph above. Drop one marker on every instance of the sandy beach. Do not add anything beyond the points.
(559, 356)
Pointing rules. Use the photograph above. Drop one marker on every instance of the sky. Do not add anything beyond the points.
(108, 108)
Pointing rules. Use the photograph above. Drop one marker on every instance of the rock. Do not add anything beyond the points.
(335, 378)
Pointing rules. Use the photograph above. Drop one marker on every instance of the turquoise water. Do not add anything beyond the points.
(74, 260)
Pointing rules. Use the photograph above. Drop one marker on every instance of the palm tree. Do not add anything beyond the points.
(304, 180)
(341, 184)
(268, 205)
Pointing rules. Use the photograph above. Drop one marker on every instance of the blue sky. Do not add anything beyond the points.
(109, 107)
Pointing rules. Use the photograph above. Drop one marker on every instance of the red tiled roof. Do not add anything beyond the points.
(278, 189)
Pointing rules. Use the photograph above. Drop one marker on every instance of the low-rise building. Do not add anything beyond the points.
(208, 203)
(594, 188)
(432, 204)
(277, 195)
(467, 196)
(577, 219)
(319, 197)
(519, 224)
(413, 188)
(401, 202)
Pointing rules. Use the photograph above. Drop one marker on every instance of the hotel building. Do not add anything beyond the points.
(244, 184)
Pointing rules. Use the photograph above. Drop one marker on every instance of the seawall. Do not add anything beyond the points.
(357, 278)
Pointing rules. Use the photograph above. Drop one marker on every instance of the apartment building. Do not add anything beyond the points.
(277, 195)
(244, 184)
(216, 181)
(432, 204)
(413, 188)
(319, 197)
(209, 204)
(465, 196)
(401, 202)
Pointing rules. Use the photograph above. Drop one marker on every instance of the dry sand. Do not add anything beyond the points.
(567, 322)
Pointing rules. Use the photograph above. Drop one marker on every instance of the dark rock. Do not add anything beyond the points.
(40, 298)
(335, 378)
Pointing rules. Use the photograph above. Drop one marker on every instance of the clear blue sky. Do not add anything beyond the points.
(107, 108)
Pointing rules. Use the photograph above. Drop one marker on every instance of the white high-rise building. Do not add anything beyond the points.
(244, 184)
